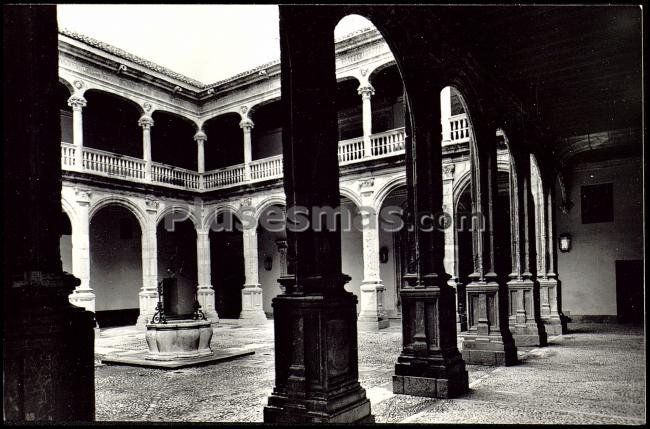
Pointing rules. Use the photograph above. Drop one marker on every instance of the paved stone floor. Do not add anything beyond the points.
(594, 374)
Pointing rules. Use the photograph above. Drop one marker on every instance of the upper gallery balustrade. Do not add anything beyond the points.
(107, 164)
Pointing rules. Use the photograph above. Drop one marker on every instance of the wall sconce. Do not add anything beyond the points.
(565, 242)
(268, 263)
(383, 254)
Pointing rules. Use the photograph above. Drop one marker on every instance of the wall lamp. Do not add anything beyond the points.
(383, 254)
(564, 241)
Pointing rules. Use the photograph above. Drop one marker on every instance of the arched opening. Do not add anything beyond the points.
(227, 265)
(393, 239)
(172, 140)
(271, 248)
(65, 242)
(111, 124)
(348, 107)
(225, 145)
(388, 101)
(115, 265)
(177, 255)
(463, 215)
(63, 94)
(267, 134)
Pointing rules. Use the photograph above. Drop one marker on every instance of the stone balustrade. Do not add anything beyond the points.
(102, 163)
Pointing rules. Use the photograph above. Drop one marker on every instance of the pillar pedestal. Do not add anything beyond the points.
(316, 362)
(252, 310)
(429, 365)
(526, 331)
(48, 350)
(485, 342)
(372, 316)
(205, 296)
(553, 322)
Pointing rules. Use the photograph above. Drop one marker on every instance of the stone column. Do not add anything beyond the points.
(205, 292)
(48, 351)
(77, 102)
(252, 309)
(451, 262)
(525, 323)
(148, 294)
(146, 122)
(200, 138)
(315, 313)
(366, 91)
(430, 363)
(549, 284)
(247, 125)
(488, 340)
(83, 295)
(282, 250)
(371, 316)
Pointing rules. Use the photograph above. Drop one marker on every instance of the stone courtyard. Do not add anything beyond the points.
(594, 375)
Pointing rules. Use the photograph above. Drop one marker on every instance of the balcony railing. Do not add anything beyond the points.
(102, 163)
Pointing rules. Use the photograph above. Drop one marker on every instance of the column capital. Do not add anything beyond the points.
(77, 102)
(366, 90)
(246, 124)
(200, 136)
(448, 171)
(146, 122)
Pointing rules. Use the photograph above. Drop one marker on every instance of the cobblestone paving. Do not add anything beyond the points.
(594, 374)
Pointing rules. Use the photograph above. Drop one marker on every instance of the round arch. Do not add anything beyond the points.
(216, 211)
(387, 188)
(350, 195)
(176, 208)
(120, 201)
(274, 200)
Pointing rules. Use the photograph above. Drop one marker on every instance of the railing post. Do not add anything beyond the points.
(146, 122)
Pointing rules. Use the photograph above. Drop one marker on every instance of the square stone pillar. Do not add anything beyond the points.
(488, 340)
(316, 358)
(48, 343)
(524, 318)
(430, 363)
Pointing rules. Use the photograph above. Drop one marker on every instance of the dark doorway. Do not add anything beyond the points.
(227, 265)
(629, 291)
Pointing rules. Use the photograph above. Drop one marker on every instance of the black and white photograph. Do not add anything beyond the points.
(323, 214)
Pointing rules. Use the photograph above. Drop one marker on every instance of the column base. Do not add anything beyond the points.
(46, 340)
(284, 410)
(529, 335)
(488, 350)
(84, 298)
(252, 311)
(372, 324)
(311, 386)
(554, 326)
(430, 387)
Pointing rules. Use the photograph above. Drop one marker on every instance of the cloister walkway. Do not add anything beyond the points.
(594, 374)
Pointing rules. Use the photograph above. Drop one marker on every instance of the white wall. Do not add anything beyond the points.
(65, 247)
(268, 279)
(115, 263)
(587, 272)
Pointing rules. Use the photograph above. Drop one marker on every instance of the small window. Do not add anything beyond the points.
(126, 231)
(597, 203)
